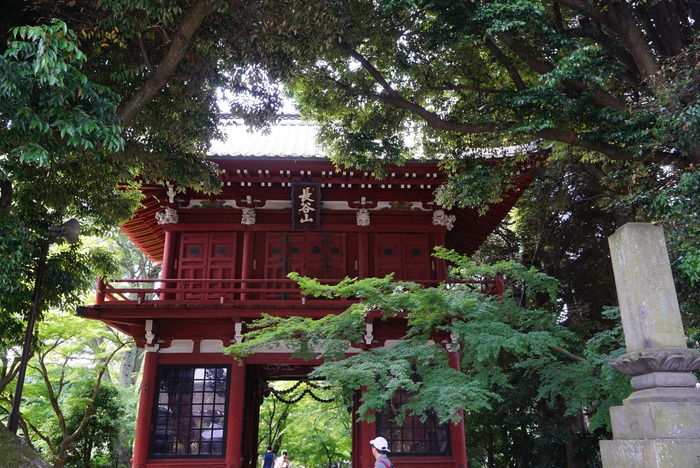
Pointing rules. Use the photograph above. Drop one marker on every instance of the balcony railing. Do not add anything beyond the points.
(223, 291)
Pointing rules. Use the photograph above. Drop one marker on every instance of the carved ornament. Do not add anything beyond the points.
(169, 216)
(363, 217)
(248, 215)
(440, 218)
(657, 360)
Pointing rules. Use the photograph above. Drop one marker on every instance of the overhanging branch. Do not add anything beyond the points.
(191, 21)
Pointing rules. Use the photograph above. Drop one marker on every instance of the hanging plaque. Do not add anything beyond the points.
(306, 206)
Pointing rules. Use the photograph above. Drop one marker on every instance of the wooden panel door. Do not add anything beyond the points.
(416, 257)
(387, 256)
(222, 262)
(285, 252)
(326, 255)
(192, 263)
(207, 256)
(405, 255)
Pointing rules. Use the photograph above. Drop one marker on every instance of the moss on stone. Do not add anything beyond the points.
(15, 454)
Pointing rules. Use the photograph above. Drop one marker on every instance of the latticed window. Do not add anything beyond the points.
(412, 437)
(190, 412)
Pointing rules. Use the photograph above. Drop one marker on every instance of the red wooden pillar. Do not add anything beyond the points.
(167, 271)
(459, 446)
(234, 434)
(168, 265)
(100, 291)
(362, 433)
(143, 421)
(363, 254)
(246, 261)
(440, 264)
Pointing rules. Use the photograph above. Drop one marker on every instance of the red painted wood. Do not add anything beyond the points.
(459, 447)
(168, 266)
(405, 255)
(416, 257)
(194, 463)
(326, 255)
(246, 260)
(285, 252)
(386, 256)
(396, 222)
(221, 262)
(363, 254)
(234, 420)
(194, 359)
(192, 262)
(145, 415)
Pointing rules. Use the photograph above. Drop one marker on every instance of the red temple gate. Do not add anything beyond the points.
(225, 261)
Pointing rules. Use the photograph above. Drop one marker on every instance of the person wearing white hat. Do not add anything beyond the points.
(380, 447)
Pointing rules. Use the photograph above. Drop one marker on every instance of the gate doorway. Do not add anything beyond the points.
(286, 410)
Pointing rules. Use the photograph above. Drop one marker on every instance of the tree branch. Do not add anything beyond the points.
(617, 17)
(88, 409)
(600, 96)
(159, 76)
(512, 71)
(144, 54)
(393, 98)
(567, 353)
(447, 86)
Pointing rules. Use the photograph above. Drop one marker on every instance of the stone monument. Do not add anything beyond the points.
(658, 425)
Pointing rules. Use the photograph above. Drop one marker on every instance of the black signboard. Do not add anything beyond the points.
(306, 205)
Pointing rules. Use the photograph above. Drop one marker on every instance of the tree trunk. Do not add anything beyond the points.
(132, 359)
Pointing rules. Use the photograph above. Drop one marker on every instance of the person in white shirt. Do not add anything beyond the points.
(283, 461)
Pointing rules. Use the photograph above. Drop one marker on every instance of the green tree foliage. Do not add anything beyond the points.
(58, 132)
(489, 327)
(73, 358)
(533, 392)
(171, 62)
(562, 224)
(62, 397)
(315, 430)
(119, 89)
(97, 443)
(675, 207)
(472, 73)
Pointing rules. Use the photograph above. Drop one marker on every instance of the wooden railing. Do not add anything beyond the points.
(223, 291)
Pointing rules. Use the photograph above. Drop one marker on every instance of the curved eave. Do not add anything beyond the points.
(469, 232)
(145, 232)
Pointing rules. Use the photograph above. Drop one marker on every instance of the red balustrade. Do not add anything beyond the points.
(212, 291)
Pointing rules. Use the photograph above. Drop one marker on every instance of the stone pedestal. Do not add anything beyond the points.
(657, 453)
(658, 425)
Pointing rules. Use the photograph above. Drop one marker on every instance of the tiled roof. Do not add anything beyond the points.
(289, 137)
(293, 138)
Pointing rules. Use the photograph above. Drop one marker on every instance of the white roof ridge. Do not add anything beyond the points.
(291, 137)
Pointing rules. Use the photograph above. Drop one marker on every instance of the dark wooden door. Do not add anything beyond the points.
(416, 257)
(327, 257)
(387, 256)
(285, 252)
(405, 255)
